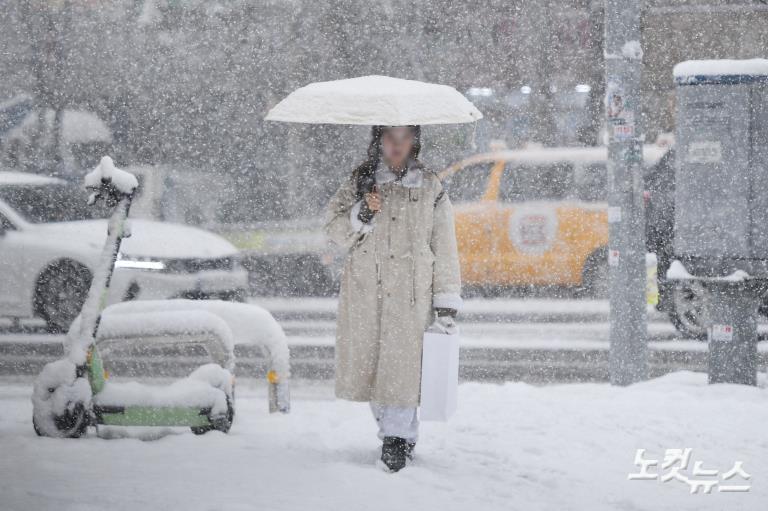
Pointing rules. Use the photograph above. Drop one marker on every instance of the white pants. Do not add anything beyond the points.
(396, 421)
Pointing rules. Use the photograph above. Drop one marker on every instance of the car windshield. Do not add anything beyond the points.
(521, 183)
(468, 184)
(592, 182)
(51, 203)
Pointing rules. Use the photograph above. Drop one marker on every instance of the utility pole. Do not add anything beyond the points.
(543, 86)
(628, 358)
(48, 24)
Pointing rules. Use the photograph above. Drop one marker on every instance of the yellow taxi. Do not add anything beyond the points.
(534, 217)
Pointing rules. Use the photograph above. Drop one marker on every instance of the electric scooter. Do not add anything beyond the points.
(75, 392)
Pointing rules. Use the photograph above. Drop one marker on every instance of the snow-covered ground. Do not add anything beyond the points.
(510, 447)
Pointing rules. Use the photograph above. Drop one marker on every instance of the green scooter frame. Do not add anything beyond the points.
(84, 356)
(200, 420)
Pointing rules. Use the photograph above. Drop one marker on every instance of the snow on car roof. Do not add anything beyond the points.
(548, 155)
(23, 178)
(721, 67)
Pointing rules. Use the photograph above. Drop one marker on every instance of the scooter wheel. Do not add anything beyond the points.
(72, 424)
(223, 424)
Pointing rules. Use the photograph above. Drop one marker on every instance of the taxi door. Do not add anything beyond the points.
(527, 246)
(473, 192)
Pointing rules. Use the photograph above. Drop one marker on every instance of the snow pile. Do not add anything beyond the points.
(375, 99)
(723, 67)
(215, 376)
(189, 392)
(106, 172)
(677, 271)
(56, 390)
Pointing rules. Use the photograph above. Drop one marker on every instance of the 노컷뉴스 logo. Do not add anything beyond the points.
(675, 467)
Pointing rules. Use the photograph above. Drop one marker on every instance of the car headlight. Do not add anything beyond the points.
(138, 263)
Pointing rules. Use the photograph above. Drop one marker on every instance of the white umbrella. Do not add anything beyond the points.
(375, 100)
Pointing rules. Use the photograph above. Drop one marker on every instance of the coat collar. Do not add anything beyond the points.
(413, 177)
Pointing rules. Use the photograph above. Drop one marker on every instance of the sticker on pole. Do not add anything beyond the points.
(621, 115)
(704, 152)
(614, 214)
(613, 257)
(721, 333)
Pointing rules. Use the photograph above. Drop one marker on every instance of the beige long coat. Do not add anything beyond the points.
(397, 269)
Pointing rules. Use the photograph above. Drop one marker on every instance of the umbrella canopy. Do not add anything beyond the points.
(375, 100)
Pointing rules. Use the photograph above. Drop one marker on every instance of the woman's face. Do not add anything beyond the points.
(396, 145)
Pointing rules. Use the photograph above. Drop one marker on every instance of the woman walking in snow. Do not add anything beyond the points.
(401, 275)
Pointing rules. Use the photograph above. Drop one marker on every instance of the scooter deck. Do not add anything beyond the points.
(180, 416)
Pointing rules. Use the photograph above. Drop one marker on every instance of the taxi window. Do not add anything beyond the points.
(469, 183)
(592, 182)
(536, 182)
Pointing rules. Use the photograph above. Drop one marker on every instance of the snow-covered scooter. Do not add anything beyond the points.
(72, 393)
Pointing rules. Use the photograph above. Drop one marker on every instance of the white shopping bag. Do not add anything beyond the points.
(439, 376)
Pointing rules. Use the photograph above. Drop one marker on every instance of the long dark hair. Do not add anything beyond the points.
(363, 174)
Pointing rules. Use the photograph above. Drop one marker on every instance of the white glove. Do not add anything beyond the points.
(444, 325)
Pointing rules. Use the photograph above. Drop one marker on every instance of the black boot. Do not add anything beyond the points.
(393, 452)
(409, 450)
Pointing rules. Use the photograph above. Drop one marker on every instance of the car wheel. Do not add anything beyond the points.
(60, 294)
(594, 275)
(687, 314)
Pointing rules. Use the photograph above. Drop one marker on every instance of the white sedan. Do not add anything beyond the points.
(50, 242)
